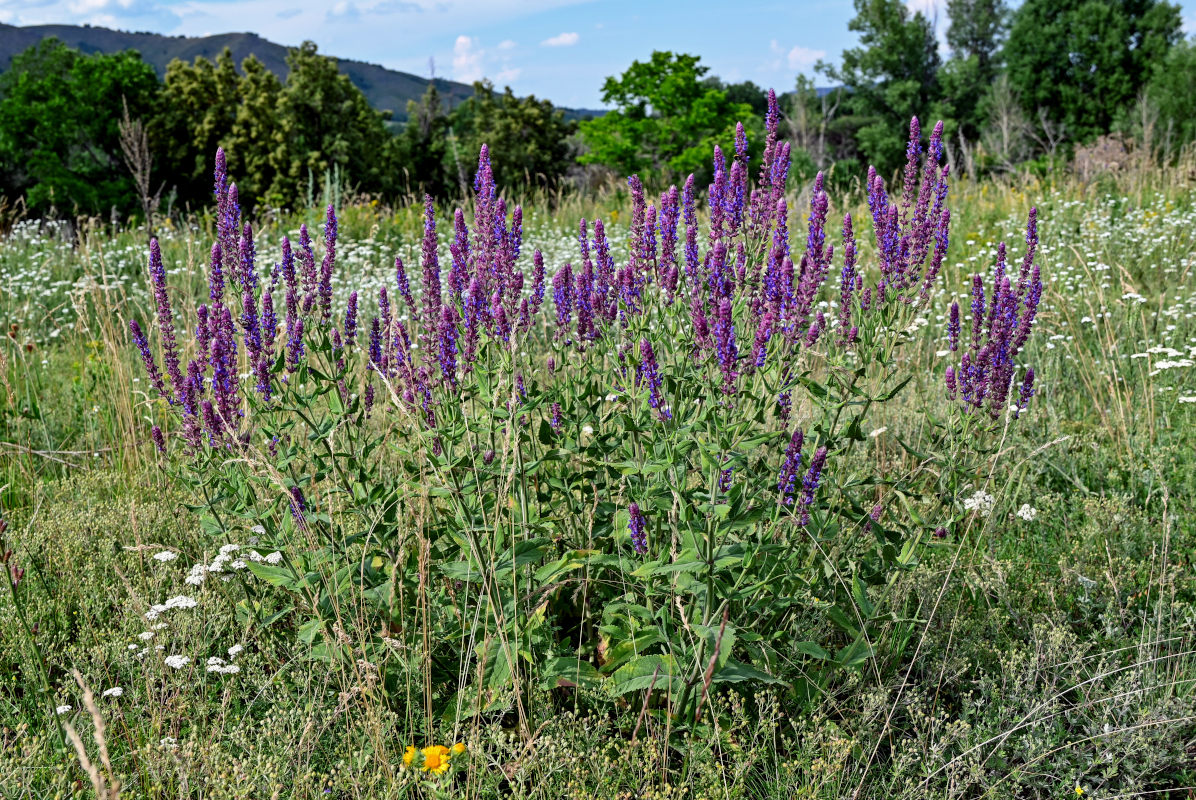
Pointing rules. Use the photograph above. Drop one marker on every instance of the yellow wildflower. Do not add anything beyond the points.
(408, 757)
(458, 749)
(436, 759)
(1079, 790)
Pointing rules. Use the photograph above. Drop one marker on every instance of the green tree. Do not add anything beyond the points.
(977, 28)
(427, 154)
(975, 34)
(60, 113)
(197, 114)
(528, 138)
(665, 120)
(1172, 90)
(745, 92)
(890, 77)
(326, 124)
(1078, 63)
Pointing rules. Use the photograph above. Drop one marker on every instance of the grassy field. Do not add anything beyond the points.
(1052, 651)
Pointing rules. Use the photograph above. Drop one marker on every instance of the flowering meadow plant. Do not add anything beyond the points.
(642, 475)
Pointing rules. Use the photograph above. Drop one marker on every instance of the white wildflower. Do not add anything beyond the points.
(115, 691)
(274, 558)
(166, 555)
(181, 601)
(981, 501)
(234, 650)
(177, 662)
(1027, 512)
(62, 710)
(145, 636)
(197, 574)
(229, 548)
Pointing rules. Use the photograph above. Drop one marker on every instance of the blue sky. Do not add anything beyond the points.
(559, 49)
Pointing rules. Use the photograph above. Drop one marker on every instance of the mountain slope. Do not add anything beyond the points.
(386, 89)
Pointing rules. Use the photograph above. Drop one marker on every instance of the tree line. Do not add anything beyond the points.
(91, 134)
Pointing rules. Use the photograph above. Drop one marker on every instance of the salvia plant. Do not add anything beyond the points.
(629, 474)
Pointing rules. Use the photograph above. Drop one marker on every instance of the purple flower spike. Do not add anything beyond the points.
(726, 348)
(351, 320)
(308, 278)
(159, 439)
(431, 269)
(537, 282)
(295, 346)
(147, 356)
(170, 349)
(977, 310)
(556, 422)
(639, 529)
(269, 323)
(953, 328)
(1025, 392)
(447, 346)
(649, 373)
(215, 275)
(298, 506)
(790, 467)
(562, 297)
(810, 483)
(328, 267)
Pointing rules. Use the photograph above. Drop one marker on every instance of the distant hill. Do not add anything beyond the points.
(386, 89)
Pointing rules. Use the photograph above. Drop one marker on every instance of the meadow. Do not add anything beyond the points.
(559, 565)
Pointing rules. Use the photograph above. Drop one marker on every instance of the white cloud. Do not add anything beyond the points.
(802, 58)
(344, 10)
(562, 40)
(794, 59)
(508, 75)
(467, 59)
(506, 44)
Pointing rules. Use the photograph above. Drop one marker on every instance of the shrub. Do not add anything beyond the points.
(657, 483)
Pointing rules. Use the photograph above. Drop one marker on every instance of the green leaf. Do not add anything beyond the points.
(812, 649)
(643, 672)
(738, 672)
(568, 671)
(277, 576)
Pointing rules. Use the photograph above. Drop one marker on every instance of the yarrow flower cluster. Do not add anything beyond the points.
(981, 501)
